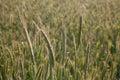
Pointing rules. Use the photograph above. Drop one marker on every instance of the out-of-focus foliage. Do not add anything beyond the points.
(96, 58)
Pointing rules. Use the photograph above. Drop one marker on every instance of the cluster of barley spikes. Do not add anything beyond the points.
(59, 39)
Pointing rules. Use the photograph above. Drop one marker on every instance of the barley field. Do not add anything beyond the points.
(59, 39)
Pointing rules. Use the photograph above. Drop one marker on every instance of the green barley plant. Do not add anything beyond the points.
(29, 42)
(38, 43)
(47, 39)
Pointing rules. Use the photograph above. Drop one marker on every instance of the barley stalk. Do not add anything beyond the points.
(64, 42)
(47, 39)
(86, 61)
(24, 25)
(78, 42)
(50, 47)
(80, 31)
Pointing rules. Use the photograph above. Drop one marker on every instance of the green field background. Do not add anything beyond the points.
(59, 39)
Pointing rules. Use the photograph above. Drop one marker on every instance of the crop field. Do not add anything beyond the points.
(59, 39)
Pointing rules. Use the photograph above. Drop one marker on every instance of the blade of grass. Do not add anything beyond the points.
(39, 72)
